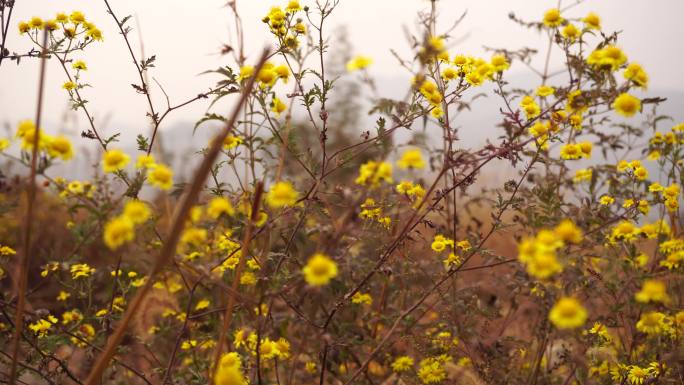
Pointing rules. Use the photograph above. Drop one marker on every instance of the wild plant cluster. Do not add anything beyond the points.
(298, 253)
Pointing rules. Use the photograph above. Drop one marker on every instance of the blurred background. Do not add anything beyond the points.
(187, 36)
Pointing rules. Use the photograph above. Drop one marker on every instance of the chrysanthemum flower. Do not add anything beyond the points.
(652, 323)
(160, 176)
(402, 364)
(319, 270)
(552, 18)
(652, 290)
(220, 206)
(114, 160)
(282, 194)
(568, 313)
(592, 21)
(118, 231)
(138, 212)
(626, 105)
(60, 147)
(411, 159)
(359, 63)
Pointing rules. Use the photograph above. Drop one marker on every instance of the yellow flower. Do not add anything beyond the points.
(583, 175)
(411, 159)
(160, 176)
(552, 18)
(672, 191)
(36, 22)
(246, 72)
(626, 105)
(145, 161)
(229, 371)
(114, 160)
(402, 364)
(625, 230)
(278, 106)
(570, 151)
(372, 173)
(319, 270)
(61, 17)
(194, 236)
(51, 25)
(300, 28)
(310, 367)
(293, 6)
(655, 187)
(359, 63)
(568, 313)
(545, 91)
(652, 323)
(449, 74)
(77, 17)
(69, 85)
(499, 62)
(636, 74)
(282, 194)
(609, 57)
(652, 291)
(202, 304)
(231, 142)
(60, 147)
(220, 206)
(283, 72)
(568, 232)
(531, 108)
(607, 200)
(362, 298)
(431, 371)
(592, 21)
(81, 270)
(267, 77)
(543, 265)
(23, 27)
(136, 211)
(94, 34)
(63, 296)
(640, 173)
(6, 251)
(118, 231)
(41, 327)
(570, 32)
(441, 242)
(79, 65)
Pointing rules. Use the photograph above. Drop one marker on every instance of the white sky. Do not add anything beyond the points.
(185, 36)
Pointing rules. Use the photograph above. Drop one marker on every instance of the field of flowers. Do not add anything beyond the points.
(300, 254)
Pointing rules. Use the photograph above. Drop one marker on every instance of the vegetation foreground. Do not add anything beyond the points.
(300, 252)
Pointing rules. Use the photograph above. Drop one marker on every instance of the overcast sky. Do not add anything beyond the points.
(186, 36)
